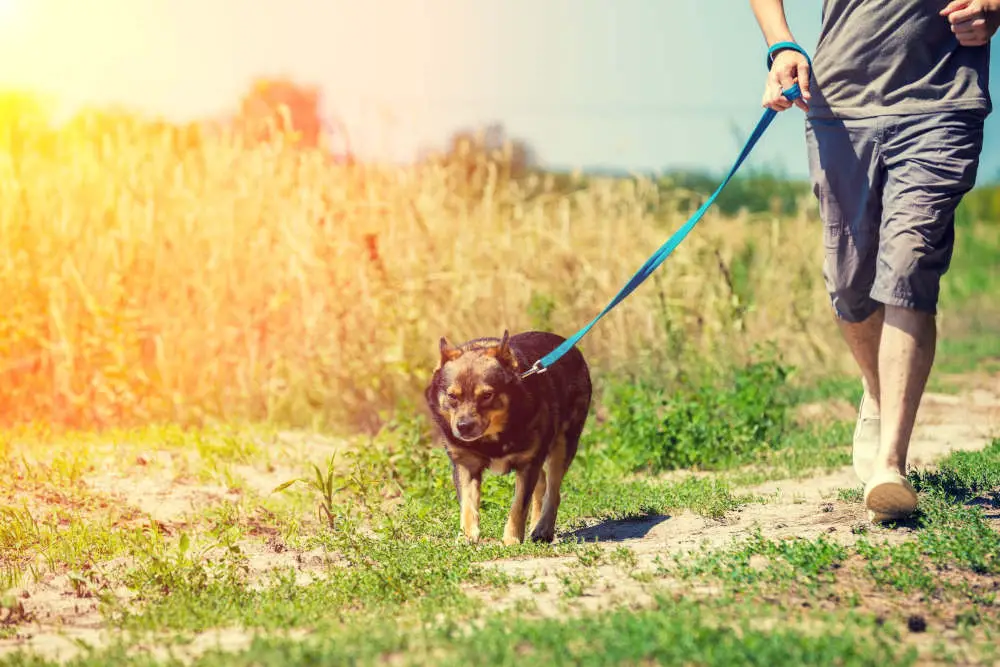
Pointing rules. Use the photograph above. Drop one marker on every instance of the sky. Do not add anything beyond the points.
(622, 84)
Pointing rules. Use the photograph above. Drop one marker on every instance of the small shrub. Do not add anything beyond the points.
(713, 424)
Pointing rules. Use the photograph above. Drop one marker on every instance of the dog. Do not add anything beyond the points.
(488, 417)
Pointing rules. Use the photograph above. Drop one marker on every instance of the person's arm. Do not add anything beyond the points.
(770, 16)
(789, 67)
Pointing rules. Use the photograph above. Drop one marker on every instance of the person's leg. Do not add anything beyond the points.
(908, 344)
(931, 162)
(846, 172)
(864, 340)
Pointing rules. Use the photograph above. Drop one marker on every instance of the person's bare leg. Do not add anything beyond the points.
(864, 339)
(909, 339)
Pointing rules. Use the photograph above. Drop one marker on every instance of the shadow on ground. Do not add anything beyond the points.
(990, 506)
(618, 530)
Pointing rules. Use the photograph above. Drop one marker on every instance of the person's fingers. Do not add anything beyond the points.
(973, 40)
(970, 11)
(803, 77)
(776, 103)
(772, 91)
(786, 79)
(975, 25)
(954, 6)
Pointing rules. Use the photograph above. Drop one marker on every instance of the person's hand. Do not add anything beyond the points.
(974, 22)
(788, 67)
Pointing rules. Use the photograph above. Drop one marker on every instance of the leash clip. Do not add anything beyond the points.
(536, 369)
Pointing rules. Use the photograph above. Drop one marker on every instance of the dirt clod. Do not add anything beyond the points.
(916, 623)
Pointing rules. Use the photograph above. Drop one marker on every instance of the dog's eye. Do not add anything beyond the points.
(451, 399)
(486, 397)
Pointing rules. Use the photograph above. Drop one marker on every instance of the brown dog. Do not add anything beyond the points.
(491, 418)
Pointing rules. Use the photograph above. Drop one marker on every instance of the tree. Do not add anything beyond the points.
(279, 107)
(474, 150)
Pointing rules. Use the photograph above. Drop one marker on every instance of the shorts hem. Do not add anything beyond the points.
(904, 301)
(854, 315)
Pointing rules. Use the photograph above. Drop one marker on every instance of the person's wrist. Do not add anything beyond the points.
(777, 48)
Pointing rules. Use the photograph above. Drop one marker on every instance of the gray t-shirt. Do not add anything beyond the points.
(878, 57)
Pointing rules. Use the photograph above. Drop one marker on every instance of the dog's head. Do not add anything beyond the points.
(473, 388)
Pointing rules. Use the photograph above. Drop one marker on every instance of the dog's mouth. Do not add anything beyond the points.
(469, 432)
(468, 437)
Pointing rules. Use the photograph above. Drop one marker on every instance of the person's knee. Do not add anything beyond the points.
(916, 322)
(853, 305)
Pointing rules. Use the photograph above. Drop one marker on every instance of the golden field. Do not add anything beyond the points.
(148, 274)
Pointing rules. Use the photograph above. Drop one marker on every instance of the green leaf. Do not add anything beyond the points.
(282, 487)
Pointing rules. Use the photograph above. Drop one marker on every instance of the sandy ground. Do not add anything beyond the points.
(803, 508)
(56, 617)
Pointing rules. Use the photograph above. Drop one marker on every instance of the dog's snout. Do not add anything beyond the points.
(466, 426)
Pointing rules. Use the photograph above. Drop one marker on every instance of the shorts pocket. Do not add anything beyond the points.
(836, 231)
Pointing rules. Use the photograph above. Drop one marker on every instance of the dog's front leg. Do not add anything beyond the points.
(469, 481)
(525, 480)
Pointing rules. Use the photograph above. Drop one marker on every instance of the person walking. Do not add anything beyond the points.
(895, 101)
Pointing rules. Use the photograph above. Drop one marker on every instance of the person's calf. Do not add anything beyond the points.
(906, 355)
(863, 339)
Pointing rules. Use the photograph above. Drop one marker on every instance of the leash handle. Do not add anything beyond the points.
(664, 251)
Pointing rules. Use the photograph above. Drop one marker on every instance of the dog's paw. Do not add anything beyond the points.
(543, 534)
(466, 538)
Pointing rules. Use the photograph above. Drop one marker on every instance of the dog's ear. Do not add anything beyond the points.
(504, 353)
(448, 351)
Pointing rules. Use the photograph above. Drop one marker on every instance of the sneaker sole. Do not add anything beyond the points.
(890, 497)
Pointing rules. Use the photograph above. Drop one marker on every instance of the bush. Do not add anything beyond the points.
(709, 424)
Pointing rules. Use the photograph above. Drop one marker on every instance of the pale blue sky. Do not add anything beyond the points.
(633, 84)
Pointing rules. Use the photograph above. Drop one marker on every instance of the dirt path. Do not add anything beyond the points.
(61, 619)
(803, 508)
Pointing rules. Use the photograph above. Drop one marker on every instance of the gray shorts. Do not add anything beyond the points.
(887, 189)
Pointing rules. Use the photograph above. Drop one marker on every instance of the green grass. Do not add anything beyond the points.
(673, 633)
(969, 318)
(956, 552)
(407, 559)
(737, 423)
(953, 536)
(715, 422)
(670, 633)
(396, 584)
(760, 560)
(827, 389)
(973, 347)
(810, 450)
(409, 567)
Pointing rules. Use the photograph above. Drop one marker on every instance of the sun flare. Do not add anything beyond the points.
(7, 8)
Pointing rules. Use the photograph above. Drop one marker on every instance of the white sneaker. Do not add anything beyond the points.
(866, 441)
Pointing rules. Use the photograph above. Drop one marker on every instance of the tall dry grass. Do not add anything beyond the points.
(147, 275)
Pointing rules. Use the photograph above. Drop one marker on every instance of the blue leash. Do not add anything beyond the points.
(671, 244)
